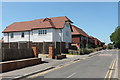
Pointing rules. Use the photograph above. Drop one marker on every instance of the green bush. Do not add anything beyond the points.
(86, 51)
(83, 51)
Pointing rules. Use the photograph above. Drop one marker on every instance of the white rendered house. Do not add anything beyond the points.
(55, 29)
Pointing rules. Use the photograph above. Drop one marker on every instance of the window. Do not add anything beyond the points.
(42, 32)
(39, 32)
(22, 34)
(12, 35)
(32, 32)
(45, 31)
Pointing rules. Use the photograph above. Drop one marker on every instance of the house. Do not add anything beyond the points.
(97, 43)
(55, 30)
(80, 37)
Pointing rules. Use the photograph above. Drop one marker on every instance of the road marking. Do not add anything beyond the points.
(45, 72)
(71, 75)
(110, 71)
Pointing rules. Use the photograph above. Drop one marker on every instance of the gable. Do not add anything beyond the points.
(78, 31)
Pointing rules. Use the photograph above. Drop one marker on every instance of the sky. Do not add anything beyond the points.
(98, 19)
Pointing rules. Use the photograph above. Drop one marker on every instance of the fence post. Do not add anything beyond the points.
(55, 47)
(9, 44)
(43, 47)
(18, 45)
(27, 44)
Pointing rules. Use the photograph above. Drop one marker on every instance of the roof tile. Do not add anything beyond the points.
(77, 31)
(54, 22)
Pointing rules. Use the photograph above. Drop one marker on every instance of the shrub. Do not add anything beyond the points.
(86, 51)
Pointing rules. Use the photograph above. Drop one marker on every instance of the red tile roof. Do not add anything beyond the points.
(77, 31)
(96, 41)
(54, 22)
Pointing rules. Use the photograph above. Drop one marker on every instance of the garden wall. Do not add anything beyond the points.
(22, 50)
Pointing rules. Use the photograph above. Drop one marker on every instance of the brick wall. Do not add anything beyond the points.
(17, 64)
(43, 47)
(51, 52)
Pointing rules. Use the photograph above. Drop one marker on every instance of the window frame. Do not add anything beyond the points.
(42, 32)
(11, 35)
(22, 34)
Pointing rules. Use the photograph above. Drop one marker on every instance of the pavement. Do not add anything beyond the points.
(46, 65)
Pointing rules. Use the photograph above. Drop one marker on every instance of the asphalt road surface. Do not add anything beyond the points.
(97, 66)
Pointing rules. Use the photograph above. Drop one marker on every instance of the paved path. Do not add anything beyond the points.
(98, 66)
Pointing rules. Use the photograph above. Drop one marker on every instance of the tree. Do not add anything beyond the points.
(110, 46)
(115, 37)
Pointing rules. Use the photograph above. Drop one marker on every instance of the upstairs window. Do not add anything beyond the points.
(22, 34)
(45, 31)
(11, 35)
(39, 32)
(42, 32)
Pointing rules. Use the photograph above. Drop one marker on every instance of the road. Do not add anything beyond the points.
(101, 65)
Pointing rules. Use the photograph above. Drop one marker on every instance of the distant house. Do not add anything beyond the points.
(97, 42)
(55, 29)
(80, 37)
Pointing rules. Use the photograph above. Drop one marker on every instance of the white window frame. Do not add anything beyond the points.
(42, 32)
(22, 34)
(12, 35)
